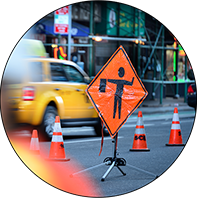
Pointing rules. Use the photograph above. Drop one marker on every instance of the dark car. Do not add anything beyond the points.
(191, 95)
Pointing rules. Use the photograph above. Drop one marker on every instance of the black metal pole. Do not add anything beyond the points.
(115, 145)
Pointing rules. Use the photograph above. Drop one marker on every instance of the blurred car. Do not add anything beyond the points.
(39, 89)
(191, 95)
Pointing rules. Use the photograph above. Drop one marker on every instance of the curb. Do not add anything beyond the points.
(160, 109)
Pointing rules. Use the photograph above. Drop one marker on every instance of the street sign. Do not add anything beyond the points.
(116, 91)
(61, 20)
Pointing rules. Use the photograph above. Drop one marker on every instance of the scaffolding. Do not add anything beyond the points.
(153, 46)
(163, 80)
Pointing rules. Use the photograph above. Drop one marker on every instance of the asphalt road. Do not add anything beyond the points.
(82, 147)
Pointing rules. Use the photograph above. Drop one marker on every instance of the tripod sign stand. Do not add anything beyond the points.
(110, 161)
(113, 162)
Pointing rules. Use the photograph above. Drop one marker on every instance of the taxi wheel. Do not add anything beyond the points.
(48, 122)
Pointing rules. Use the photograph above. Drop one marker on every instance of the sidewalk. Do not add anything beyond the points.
(154, 106)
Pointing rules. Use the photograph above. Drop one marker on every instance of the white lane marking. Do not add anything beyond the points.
(134, 125)
(76, 130)
(183, 121)
(89, 140)
(166, 123)
(161, 116)
(24, 133)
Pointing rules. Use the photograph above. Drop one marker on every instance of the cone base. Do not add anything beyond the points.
(61, 160)
(139, 149)
(175, 144)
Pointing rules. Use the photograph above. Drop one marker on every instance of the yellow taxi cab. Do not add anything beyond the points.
(41, 88)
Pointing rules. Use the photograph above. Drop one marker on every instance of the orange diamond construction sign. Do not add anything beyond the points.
(116, 91)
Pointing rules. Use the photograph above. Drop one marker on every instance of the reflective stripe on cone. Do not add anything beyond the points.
(139, 141)
(175, 133)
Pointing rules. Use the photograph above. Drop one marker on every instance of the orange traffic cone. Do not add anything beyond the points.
(139, 141)
(34, 144)
(57, 151)
(175, 134)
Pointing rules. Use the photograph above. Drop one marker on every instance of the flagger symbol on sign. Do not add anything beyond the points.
(116, 86)
(119, 90)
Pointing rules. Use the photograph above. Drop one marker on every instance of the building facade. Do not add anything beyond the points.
(159, 58)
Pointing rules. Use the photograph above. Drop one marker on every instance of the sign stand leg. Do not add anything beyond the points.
(108, 161)
(108, 171)
(114, 162)
(87, 169)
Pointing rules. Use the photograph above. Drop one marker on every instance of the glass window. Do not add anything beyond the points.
(36, 72)
(57, 72)
(73, 74)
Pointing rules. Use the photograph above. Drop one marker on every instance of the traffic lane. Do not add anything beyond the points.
(156, 136)
(156, 161)
(87, 135)
(55, 173)
(23, 132)
(149, 120)
(85, 153)
(163, 116)
(83, 134)
(164, 120)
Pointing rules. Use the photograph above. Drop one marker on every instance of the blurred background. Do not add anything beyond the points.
(98, 28)
(88, 33)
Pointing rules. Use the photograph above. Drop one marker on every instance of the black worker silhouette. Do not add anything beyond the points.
(119, 89)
